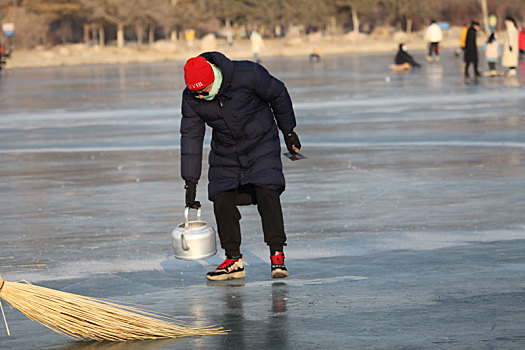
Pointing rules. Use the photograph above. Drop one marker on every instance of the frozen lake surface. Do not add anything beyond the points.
(406, 225)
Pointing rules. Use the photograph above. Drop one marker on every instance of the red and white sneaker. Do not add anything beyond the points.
(278, 268)
(230, 268)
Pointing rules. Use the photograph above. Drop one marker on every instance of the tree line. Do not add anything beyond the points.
(41, 22)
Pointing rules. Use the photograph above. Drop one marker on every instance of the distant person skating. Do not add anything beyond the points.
(433, 37)
(257, 43)
(315, 55)
(471, 50)
(492, 52)
(510, 47)
(3, 51)
(3, 55)
(403, 60)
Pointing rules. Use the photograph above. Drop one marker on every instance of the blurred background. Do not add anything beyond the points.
(178, 26)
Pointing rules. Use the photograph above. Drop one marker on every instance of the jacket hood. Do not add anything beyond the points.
(225, 65)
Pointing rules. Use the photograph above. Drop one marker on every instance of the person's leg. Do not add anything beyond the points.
(269, 207)
(429, 55)
(467, 64)
(227, 217)
(476, 72)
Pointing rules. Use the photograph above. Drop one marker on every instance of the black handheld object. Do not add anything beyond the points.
(294, 156)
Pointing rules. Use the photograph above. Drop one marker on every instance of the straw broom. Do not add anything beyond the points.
(86, 318)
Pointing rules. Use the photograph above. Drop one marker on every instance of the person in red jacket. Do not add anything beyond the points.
(3, 54)
(521, 41)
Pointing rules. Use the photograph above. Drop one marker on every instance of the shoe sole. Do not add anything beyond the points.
(227, 276)
(280, 273)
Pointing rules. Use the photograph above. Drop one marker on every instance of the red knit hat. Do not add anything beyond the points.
(198, 73)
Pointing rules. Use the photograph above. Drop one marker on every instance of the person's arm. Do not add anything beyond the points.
(192, 129)
(273, 91)
(470, 40)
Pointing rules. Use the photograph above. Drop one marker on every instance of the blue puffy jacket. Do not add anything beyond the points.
(244, 116)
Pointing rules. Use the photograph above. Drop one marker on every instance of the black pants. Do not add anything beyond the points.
(492, 65)
(433, 49)
(227, 216)
(315, 57)
(467, 64)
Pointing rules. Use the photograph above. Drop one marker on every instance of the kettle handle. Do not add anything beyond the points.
(187, 213)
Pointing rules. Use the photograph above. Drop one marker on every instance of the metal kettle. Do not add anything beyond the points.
(193, 240)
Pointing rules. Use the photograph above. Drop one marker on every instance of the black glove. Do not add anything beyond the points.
(292, 142)
(191, 192)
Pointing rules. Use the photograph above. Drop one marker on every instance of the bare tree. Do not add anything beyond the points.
(307, 12)
(485, 15)
(118, 12)
(59, 15)
(65, 19)
(194, 14)
(460, 12)
(503, 8)
(30, 29)
(355, 8)
(406, 11)
(5, 4)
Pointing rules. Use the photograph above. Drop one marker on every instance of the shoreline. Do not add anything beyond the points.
(167, 51)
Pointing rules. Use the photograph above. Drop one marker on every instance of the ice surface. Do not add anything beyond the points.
(405, 224)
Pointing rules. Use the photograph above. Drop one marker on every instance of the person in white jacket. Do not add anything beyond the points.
(433, 37)
(510, 47)
(257, 42)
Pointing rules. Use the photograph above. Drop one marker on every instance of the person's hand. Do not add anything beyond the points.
(510, 48)
(191, 192)
(292, 142)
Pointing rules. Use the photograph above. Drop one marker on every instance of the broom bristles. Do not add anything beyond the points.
(86, 318)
